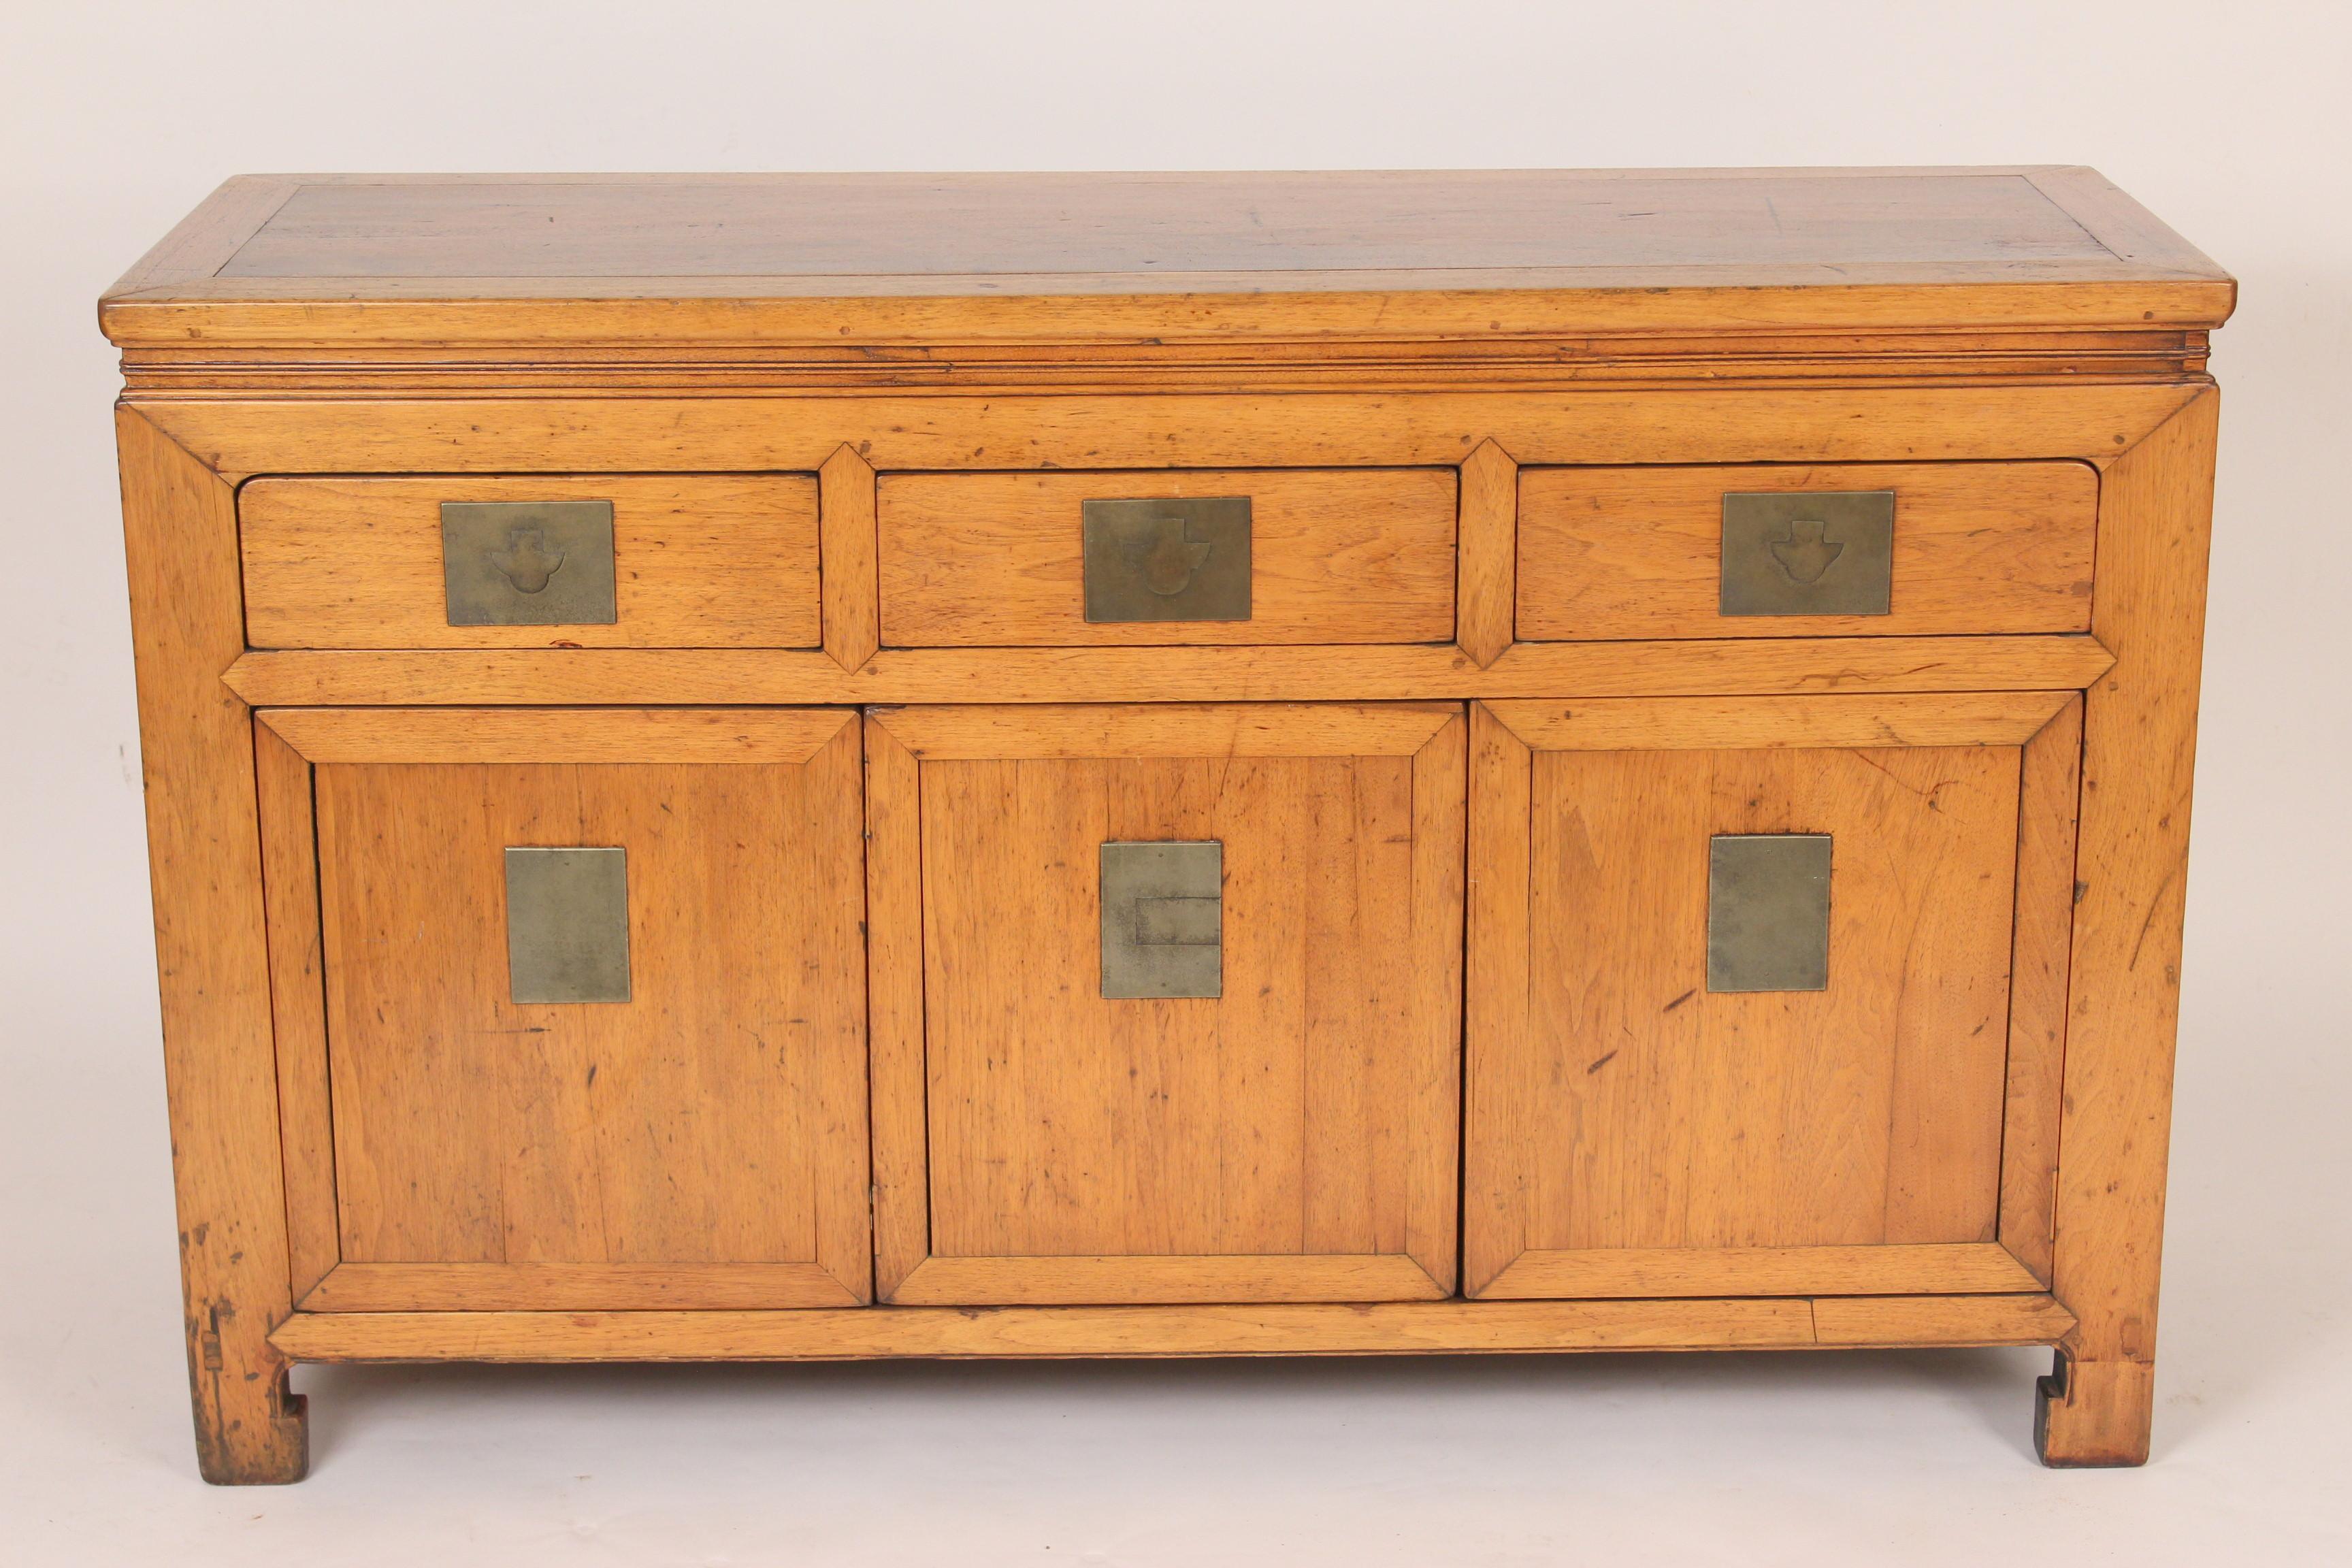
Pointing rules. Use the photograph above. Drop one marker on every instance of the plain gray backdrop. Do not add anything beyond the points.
(2229, 120)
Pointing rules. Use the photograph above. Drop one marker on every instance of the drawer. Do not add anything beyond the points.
(1636, 553)
(1310, 556)
(671, 561)
(579, 1017)
(1179, 991)
(1746, 1022)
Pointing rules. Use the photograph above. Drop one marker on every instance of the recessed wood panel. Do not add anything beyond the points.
(1149, 225)
(700, 560)
(1337, 556)
(1291, 1140)
(1619, 1108)
(716, 1117)
(1633, 552)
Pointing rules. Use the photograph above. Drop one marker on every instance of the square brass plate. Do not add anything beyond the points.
(529, 563)
(568, 924)
(1830, 552)
(1163, 920)
(1768, 911)
(1178, 559)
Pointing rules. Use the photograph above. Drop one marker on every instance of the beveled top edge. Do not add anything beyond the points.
(333, 262)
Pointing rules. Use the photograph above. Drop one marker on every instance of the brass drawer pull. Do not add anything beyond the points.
(1768, 911)
(1827, 553)
(1163, 920)
(568, 924)
(529, 563)
(1174, 559)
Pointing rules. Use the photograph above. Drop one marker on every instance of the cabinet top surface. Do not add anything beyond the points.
(326, 261)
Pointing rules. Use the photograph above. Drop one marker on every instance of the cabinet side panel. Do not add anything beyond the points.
(204, 850)
(2139, 746)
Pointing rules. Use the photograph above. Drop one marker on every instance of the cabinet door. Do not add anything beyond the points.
(1742, 1020)
(1236, 1082)
(572, 1006)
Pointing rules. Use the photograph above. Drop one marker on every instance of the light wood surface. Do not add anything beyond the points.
(2140, 747)
(1066, 1280)
(1307, 1114)
(1157, 227)
(1637, 553)
(2049, 802)
(298, 1000)
(853, 609)
(1176, 675)
(1702, 723)
(357, 261)
(212, 956)
(705, 432)
(539, 1286)
(1486, 542)
(1486, 421)
(708, 1120)
(1616, 1104)
(714, 736)
(200, 243)
(895, 1010)
(1658, 355)
(979, 732)
(700, 560)
(1392, 1327)
(1907, 1320)
(1501, 1033)
(1335, 557)
(1884, 1268)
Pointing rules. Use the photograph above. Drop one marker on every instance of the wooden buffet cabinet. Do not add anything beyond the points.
(1085, 765)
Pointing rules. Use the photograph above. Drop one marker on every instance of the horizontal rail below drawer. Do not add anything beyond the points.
(1390, 1328)
(1722, 666)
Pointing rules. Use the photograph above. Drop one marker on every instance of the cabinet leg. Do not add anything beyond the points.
(252, 1429)
(2094, 1414)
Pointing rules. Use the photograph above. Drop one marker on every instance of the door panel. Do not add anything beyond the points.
(700, 1143)
(1633, 1131)
(1288, 1138)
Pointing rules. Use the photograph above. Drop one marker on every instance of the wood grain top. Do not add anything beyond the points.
(340, 261)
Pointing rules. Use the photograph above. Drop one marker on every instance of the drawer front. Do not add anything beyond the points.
(1744, 1021)
(1002, 560)
(1657, 552)
(681, 561)
(591, 985)
(1188, 1001)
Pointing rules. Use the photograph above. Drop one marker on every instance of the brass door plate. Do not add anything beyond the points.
(1163, 920)
(1175, 559)
(1829, 552)
(529, 563)
(568, 925)
(1768, 911)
